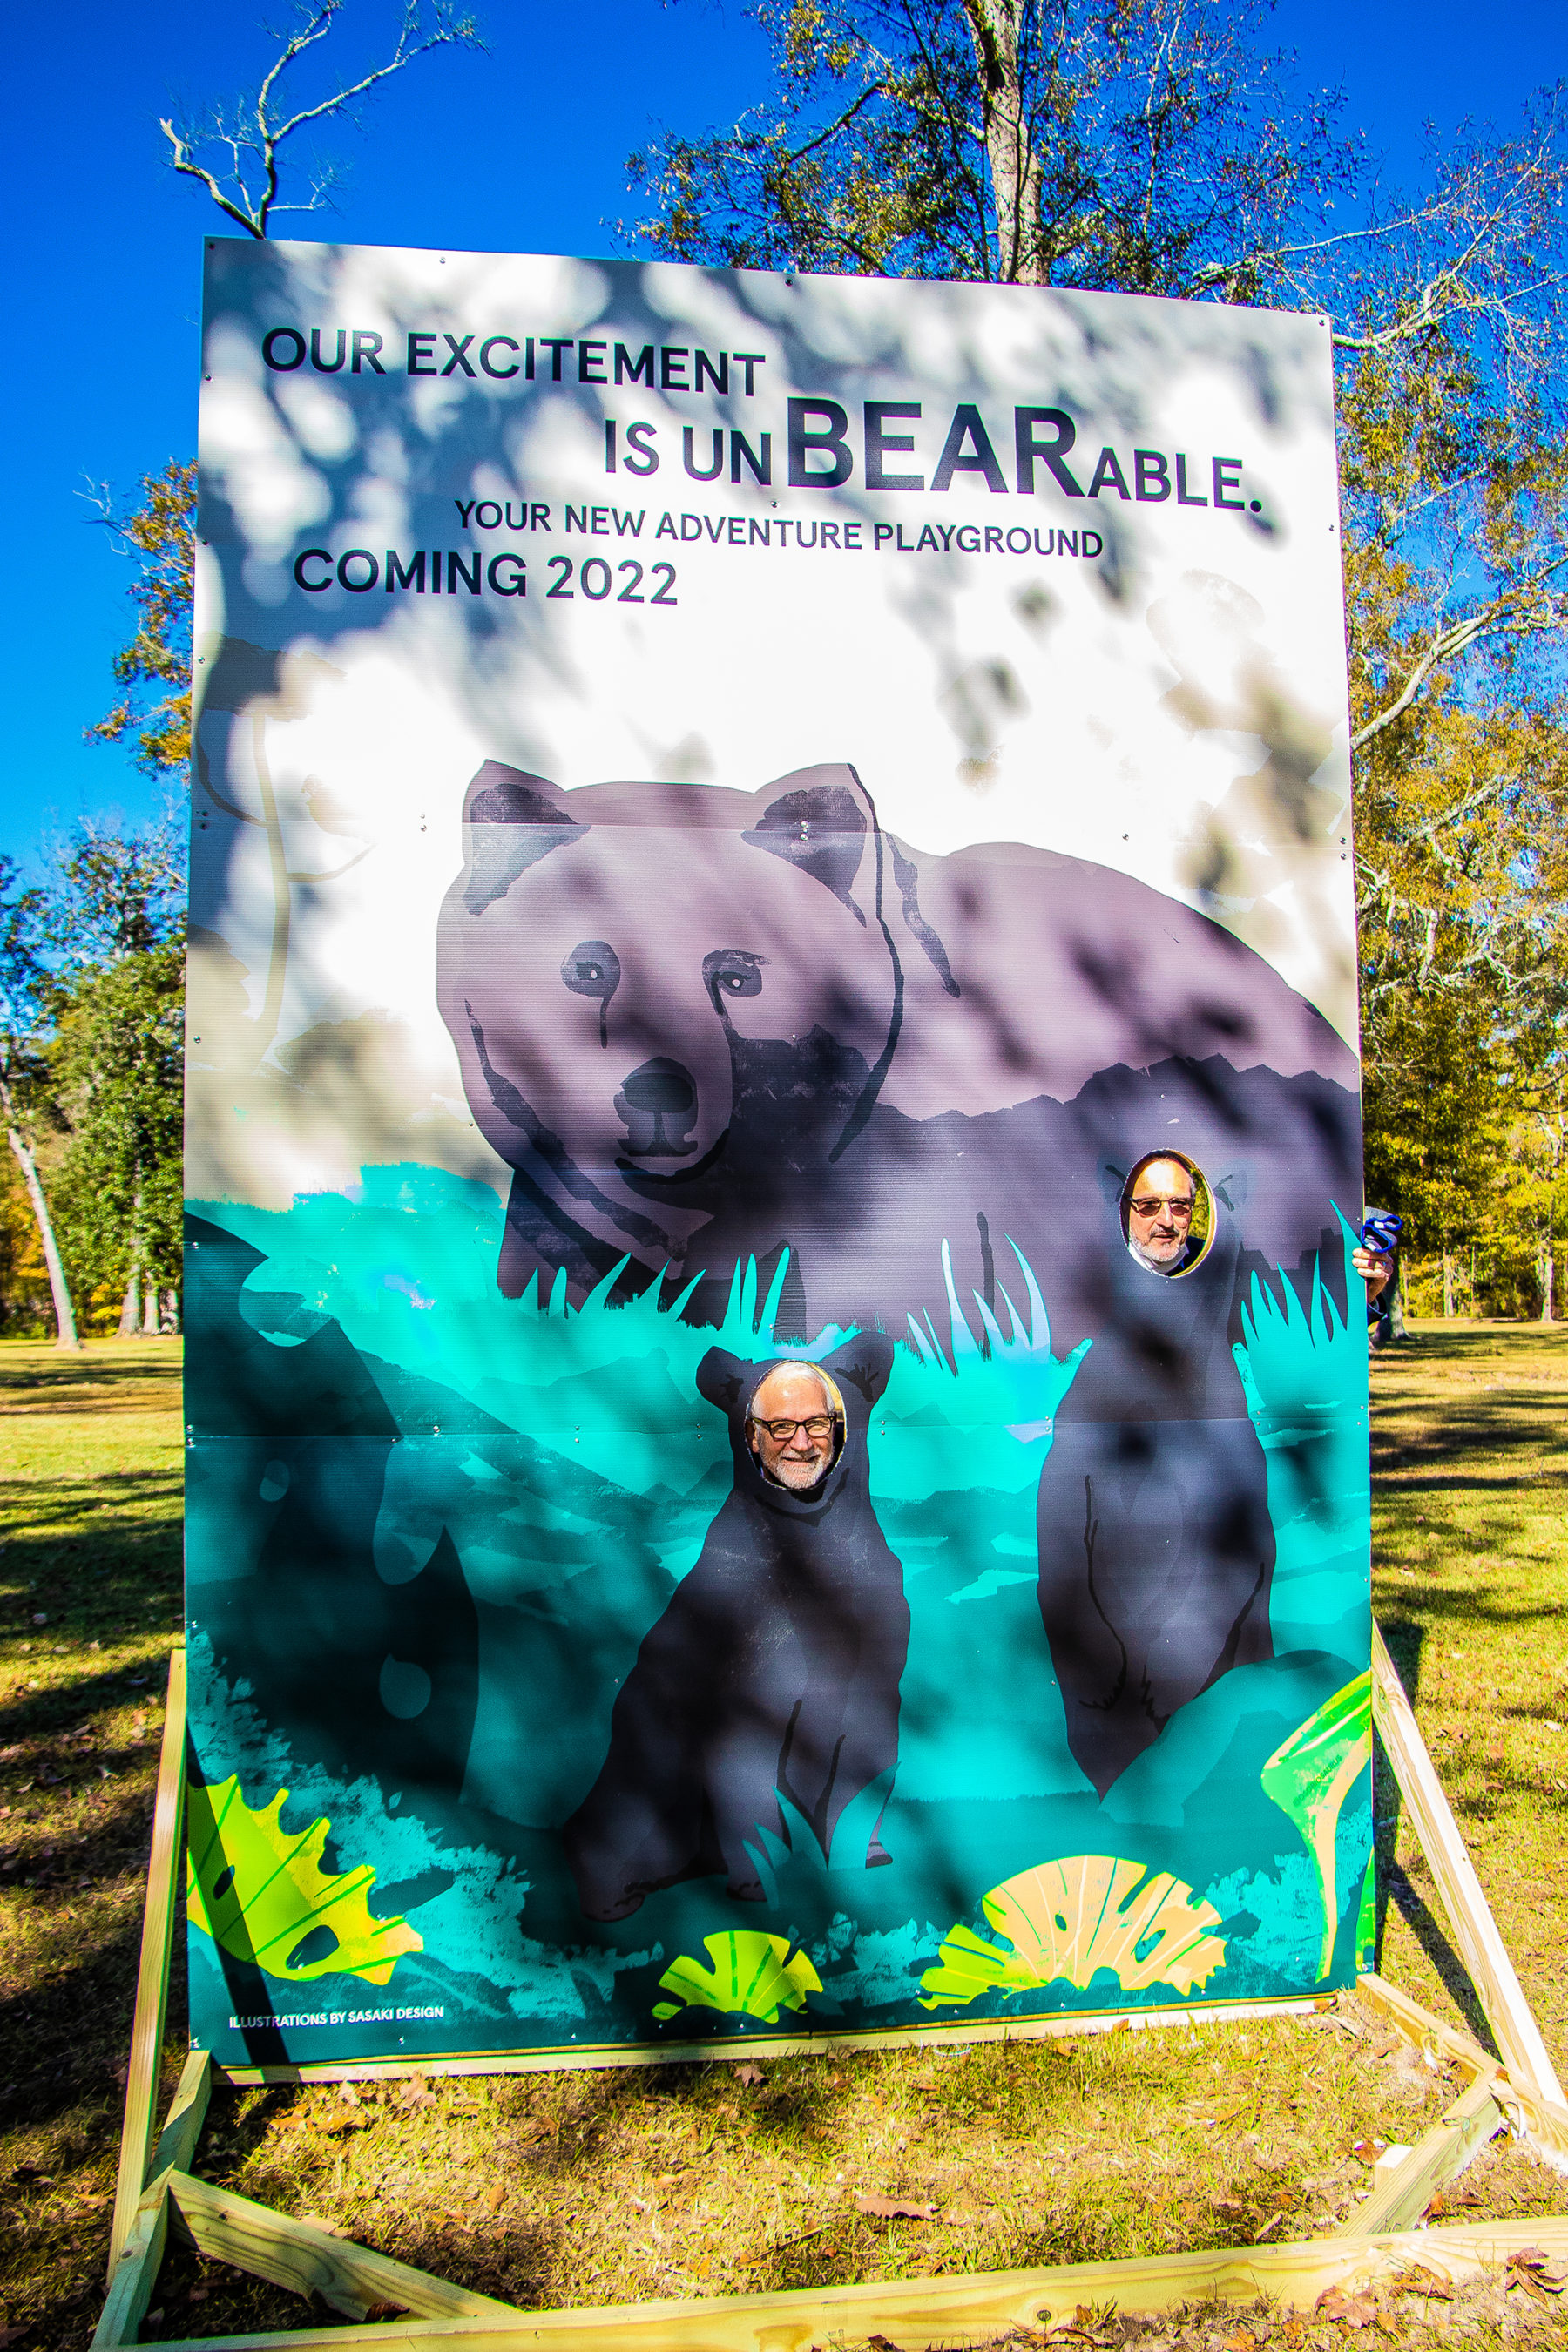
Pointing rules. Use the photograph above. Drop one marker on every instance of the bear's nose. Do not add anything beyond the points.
(660, 1085)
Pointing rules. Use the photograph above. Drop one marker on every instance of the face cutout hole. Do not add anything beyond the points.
(796, 1427)
(1168, 1214)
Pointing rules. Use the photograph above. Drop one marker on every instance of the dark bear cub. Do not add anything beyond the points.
(775, 1669)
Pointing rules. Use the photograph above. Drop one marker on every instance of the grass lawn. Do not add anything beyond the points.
(612, 2186)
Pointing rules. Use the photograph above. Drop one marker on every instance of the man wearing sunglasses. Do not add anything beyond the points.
(1160, 1196)
(792, 1428)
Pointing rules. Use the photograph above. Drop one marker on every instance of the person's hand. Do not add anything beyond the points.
(1375, 1268)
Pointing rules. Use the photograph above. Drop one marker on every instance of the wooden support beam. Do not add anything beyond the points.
(1536, 2123)
(152, 1975)
(950, 2034)
(135, 2272)
(310, 2260)
(187, 2113)
(971, 2306)
(1434, 2035)
(1475, 1932)
(1440, 2154)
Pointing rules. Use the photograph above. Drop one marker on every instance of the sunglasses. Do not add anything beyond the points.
(818, 1426)
(1148, 1204)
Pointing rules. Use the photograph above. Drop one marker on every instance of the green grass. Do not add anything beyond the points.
(631, 2182)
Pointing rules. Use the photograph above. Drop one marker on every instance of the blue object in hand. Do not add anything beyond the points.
(1380, 1230)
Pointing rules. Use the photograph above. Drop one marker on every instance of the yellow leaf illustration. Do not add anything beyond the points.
(1067, 1919)
(753, 1975)
(1309, 1776)
(264, 1897)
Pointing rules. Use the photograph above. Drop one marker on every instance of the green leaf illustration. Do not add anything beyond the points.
(753, 1975)
(1309, 1776)
(264, 1897)
(1066, 1920)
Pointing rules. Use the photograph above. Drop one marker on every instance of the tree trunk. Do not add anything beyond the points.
(1009, 150)
(130, 1307)
(172, 1312)
(1548, 1285)
(59, 1288)
(1447, 1286)
(150, 1318)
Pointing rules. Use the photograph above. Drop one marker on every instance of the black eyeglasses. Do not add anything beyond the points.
(819, 1425)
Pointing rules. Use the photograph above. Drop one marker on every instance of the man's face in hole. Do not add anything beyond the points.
(800, 1456)
(1160, 1211)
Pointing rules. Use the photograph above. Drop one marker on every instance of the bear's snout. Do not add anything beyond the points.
(659, 1103)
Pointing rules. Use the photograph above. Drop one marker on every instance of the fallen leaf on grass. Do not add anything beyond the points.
(1532, 2268)
(335, 2126)
(10, 2334)
(417, 2093)
(749, 2075)
(1422, 2280)
(1448, 2201)
(882, 2343)
(1351, 2310)
(891, 2209)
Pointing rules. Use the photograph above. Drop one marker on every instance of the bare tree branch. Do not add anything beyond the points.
(246, 188)
(1528, 611)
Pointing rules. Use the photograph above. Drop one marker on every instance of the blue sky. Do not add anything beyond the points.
(522, 149)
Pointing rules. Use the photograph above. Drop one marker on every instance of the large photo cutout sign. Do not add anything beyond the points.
(777, 1391)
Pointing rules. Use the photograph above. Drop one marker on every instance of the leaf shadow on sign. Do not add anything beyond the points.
(291, 464)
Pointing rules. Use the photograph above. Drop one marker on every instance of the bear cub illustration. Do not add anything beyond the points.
(775, 1669)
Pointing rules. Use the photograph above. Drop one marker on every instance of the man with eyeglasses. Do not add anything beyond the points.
(1161, 1197)
(793, 1429)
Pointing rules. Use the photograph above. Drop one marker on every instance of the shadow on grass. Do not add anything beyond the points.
(35, 1380)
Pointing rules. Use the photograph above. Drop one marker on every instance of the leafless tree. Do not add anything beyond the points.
(244, 139)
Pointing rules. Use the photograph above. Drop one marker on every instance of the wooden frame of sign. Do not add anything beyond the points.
(156, 2180)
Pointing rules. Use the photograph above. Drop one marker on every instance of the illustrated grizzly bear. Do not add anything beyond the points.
(702, 1025)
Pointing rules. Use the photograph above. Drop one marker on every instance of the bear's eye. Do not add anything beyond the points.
(732, 971)
(592, 968)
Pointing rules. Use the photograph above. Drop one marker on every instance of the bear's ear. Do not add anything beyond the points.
(510, 820)
(865, 1362)
(820, 827)
(722, 1379)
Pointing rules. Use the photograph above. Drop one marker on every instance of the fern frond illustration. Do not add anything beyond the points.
(1067, 1919)
(1309, 1776)
(752, 1976)
(264, 1897)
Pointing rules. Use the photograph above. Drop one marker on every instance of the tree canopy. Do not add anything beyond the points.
(1160, 149)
